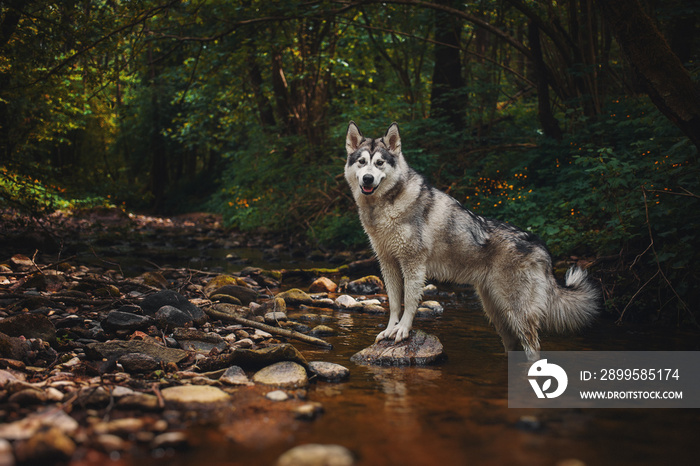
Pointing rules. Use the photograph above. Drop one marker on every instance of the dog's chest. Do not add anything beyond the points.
(388, 234)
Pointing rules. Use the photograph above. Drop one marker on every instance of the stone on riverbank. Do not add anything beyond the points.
(329, 371)
(420, 349)
(317, 455)
(285, 374)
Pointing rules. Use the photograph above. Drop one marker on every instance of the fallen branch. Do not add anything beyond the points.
(229, 317)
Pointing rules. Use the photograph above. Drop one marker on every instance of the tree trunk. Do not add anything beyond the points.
(661, 73)
(446, 98)
(550, 125)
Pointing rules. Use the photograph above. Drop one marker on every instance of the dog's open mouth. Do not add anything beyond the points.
(368, 189)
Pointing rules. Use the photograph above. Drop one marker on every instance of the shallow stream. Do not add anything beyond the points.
(456, 413)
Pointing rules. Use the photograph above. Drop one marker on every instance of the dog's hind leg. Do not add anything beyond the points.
(394, 288)
(496, 315)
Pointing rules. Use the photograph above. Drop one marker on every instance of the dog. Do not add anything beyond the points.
(418, 232)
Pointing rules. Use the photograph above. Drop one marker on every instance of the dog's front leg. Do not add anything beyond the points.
(394, 288)
(414, 280)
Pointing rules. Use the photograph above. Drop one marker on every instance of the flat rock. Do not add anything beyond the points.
(329, 371)
(253, 358)
(194, 394)
(117, 348)
(138, 362)
(419, 349)
(285, 374)
(317, 455)
(119, 320)
(29, 326)
(197, 340)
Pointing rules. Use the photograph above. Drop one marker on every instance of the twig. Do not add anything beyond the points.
(226, 316)
(659, 270)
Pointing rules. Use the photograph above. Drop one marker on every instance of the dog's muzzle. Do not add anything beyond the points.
(367, 186)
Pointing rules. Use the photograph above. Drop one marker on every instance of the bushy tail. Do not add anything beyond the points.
(575, 305)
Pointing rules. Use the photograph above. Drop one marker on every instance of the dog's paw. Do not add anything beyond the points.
(385, 335)
(401, 333)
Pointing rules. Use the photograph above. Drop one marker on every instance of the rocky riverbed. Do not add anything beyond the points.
(98, 364)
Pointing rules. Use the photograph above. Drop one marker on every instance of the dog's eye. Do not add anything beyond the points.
(379, 163)
(362, 162)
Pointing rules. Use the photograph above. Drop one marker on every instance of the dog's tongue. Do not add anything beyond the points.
(367, 189)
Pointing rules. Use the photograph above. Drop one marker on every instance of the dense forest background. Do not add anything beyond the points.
(576, 119)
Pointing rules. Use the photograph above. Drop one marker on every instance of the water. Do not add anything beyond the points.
(456, 413)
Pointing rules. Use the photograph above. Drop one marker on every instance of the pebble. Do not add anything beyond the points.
(277, 395)
(170, 440)
(317, 455)
(273, 318)
(50, 445)
(323, 285)
(286, 374)
(347, 302)
(194, 394)
(234, 375)
(308, 411)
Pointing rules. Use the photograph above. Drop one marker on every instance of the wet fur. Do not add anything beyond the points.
(419, 232)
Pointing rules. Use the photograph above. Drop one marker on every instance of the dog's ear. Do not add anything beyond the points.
(353, 139)
(392, 139)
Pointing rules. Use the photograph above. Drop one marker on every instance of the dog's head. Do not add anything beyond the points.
(371, 163)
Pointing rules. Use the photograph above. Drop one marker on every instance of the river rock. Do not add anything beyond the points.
(117, 348)
(253, 359)
(170, 317)
(243, 294)
(329, 371)
(194, 395)
(322, 331)
(370, 284)
(277, 395)
(323, 285)
(285, 374)
(138, 363)
(152, 303)
(197, 340)
(295, 297)
(317, 455)
(419, 349)
(234, 375)
(29, 326)
(46, 447)
(273, 318)
(347, 302)
(13, 348)
(429, 309)
(118, 320)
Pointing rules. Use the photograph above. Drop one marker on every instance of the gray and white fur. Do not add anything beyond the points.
(419, 232)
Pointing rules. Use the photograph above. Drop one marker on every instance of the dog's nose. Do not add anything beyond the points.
(368, 179)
